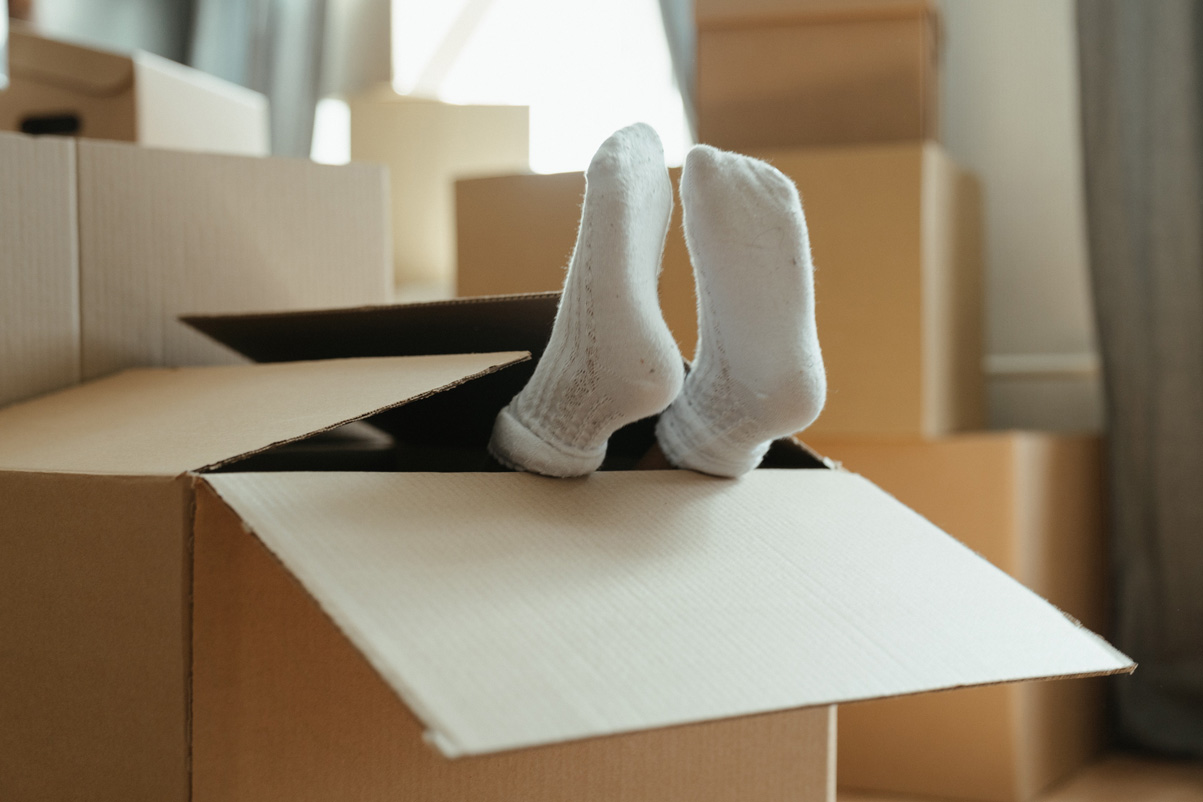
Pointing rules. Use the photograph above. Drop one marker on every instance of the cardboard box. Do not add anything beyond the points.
(175, 626)
(896, 237)
(794, 73)
(1033, 505)
(69, 89)
(427, 145)
(1118, 777)
(39, 282)
(110, 242)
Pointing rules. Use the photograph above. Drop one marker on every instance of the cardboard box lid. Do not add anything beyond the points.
(520, 322)
(714, 14)
(164, 422)
(76, 67)
(510, 610)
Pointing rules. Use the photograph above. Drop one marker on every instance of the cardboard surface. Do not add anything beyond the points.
(776, 74)
(896, 237)
(94, 648)
(426, 145)
(39, 289)
(166, 422)
(1032, 504)
(450, 602)
(281, 696)
(69, 89)
(164, 233)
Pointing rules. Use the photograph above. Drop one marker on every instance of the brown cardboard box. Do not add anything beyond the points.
(896, 236)
(1117, 777)
(177, 627)
(1032, 504)
(104, 244)
(39, 276)
(794, 73)
(69, 89)
(426, 146)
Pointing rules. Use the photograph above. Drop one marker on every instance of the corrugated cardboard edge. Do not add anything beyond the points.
(192, 320)
(434, 391)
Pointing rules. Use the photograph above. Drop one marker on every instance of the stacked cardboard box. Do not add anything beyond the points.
(71, 90)
(426, 145)
(843, 98)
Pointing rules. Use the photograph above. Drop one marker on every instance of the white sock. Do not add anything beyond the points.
(758, 373)
(611, 359)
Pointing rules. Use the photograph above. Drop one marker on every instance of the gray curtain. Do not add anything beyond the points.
(273, 47)
(682, 33)
(1141, 74)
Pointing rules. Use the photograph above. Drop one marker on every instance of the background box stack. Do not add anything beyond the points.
(105, 244)
(844, 98)
(426, 145)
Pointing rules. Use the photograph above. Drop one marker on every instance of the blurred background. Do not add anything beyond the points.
(1004, 200)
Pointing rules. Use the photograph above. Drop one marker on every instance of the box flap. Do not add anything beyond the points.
(463, 325)
(168, 421)
(34, 57)
(509, 610)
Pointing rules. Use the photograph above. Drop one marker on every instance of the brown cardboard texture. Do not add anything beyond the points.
(450, 635)
(1033, 505)
(63, 88)
(776, 74)
(39, 282)
(96, 554)
(426, 145)
(104, 244)
(896, 237)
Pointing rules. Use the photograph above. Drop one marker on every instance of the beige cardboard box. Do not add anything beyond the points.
(39, 275)
(1033, 505)
(426, 146)
(896, 236)
(794, 73)
(105, 244)
(69, 89)
(175, 626)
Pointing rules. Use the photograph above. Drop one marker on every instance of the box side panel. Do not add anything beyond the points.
(818, 83)
(957, 744)
(94, 652)
(426, 146)
(1063, 557)
(285, 708)
(185, 109)
(954, 390)
(39, 283)
(735, 12)
(165, 233)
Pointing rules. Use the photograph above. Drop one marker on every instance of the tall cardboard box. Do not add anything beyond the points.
(39, 277)
(103, 245)
(427, 145)
(1033, 505)
(793, 73)
(177, 628)
(69, 89)
(163, 233)
(896, 236)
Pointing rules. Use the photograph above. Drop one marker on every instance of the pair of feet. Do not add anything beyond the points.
(611, 360)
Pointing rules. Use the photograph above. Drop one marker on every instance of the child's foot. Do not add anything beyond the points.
(758, 374)
(611, 359)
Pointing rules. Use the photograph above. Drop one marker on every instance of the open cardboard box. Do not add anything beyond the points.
(178, 625)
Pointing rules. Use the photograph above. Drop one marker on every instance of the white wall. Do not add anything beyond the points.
(1010, 100)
